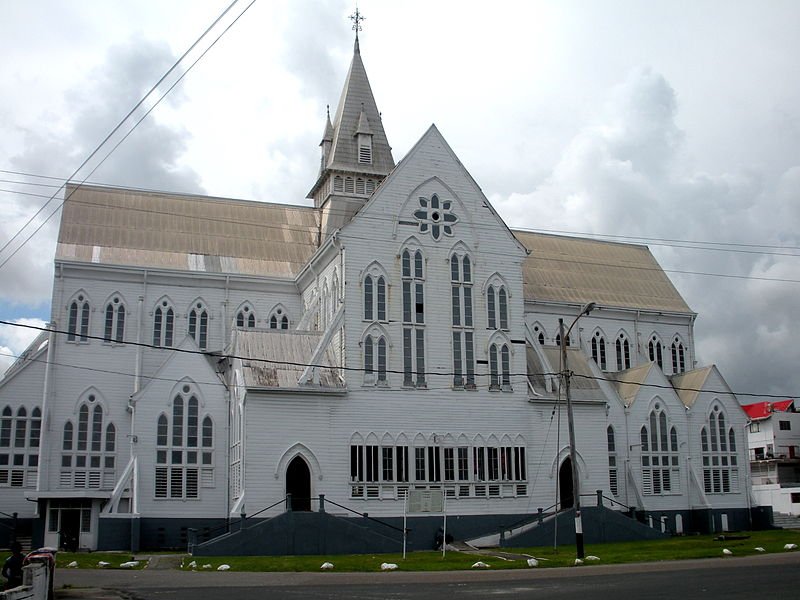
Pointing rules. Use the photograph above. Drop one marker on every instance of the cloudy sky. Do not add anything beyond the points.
(676, 124)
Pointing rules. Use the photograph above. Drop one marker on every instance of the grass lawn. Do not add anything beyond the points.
(701, 546)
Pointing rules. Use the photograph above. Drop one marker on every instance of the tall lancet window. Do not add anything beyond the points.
(198, 325)
(413, 318)
(623, 352)
(463, 332)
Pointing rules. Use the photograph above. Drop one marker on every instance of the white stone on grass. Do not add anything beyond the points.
(790, 546)
(592, 557)
(480, 565)
(726, 552)
(73, 565)
(532, 562)
(759, 549)
(578, 562)
(224, 568)
(388, 567)
(326, 566)
(130, 564)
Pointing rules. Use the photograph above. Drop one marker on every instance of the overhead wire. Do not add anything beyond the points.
(437, 373)
(135, 125)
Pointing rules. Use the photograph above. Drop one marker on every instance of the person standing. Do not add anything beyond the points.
(12, 568)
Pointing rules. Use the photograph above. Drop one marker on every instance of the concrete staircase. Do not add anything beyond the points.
(785, 521)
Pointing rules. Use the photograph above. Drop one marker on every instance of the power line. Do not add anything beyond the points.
(438, 373)
(135, 125)
(312, 231)
(653, 241)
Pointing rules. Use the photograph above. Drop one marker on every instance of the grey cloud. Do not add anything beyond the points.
(308, 54)
(150, 157)
(626, 174)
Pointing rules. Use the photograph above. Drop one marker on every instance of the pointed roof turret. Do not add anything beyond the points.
(357, 113)
(327, 135)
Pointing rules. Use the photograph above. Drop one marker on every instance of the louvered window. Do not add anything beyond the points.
(184, 450)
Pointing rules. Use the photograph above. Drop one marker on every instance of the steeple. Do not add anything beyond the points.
(358, 155)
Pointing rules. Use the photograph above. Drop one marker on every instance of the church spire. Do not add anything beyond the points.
(358, 149)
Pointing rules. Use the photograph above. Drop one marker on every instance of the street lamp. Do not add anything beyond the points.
(576, 490)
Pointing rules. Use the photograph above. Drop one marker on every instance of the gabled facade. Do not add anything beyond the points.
(208, 358)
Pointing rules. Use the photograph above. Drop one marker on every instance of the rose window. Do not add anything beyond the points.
(435, 216)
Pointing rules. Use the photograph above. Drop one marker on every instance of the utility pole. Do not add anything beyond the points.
(565, 374)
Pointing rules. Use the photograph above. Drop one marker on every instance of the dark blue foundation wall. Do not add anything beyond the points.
(324, 533)
(147, 534)
(11, 529)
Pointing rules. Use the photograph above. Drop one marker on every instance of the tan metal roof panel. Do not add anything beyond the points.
(629, 382)
(581, 270)
(688, 385)
(154, 229)
(278, 358)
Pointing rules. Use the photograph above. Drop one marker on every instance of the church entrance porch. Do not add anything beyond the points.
(298, 484)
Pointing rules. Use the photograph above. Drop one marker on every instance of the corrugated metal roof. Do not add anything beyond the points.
(578, 364)
(580, 270)
(629, 382)
(688, 384)
(191, 233)
(762, 410)
(290, 351)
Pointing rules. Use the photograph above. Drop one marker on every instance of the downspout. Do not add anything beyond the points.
(224, 312)
(636, 337)
(137, 380)
(691, 340)
(43, 472)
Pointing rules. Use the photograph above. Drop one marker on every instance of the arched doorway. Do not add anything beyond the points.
(565, 485)
(298, 484)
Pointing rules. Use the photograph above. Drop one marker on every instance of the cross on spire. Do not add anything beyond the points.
(357, 18)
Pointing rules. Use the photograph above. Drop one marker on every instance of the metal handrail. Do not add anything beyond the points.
(360, 514)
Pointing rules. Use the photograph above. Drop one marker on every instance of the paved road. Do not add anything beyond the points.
(713, 579)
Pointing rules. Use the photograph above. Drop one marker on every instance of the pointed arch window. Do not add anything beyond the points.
(374, 298)
(654, 351)
(198, 325)
(599, 350)
(163, 325)
(375, 360)
(623, 348)
(78, 320)
(720, 461)
(88, 460)
(678, 356)
(613, 481)
(499, 367)
(497, 306)
(184, 449)
(660, 459)
(462, 323)
(279, 319)
(558, 340)
(538, 333)
(413, 318)
(246, 318)
(19, 446)
(114, 330)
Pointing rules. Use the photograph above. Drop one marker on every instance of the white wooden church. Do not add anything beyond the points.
(207, 357)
